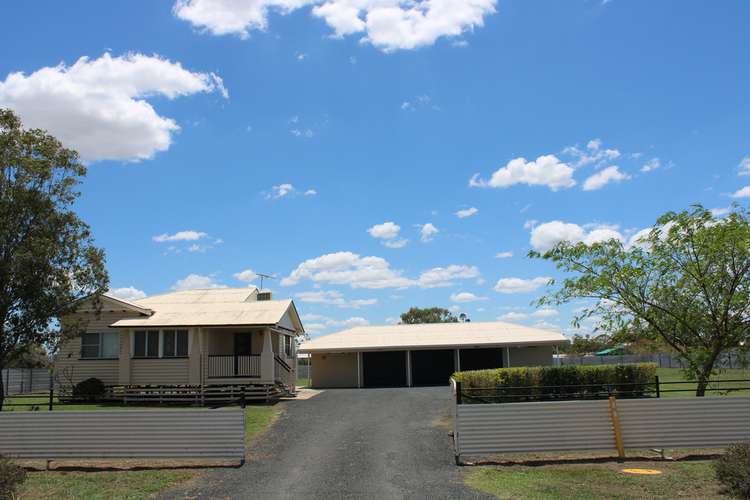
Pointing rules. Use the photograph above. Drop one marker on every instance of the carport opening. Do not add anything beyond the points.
(481, 359)
(432, 367)
(384, 369)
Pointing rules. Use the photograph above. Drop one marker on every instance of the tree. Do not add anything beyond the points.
(687, 281)
(47, 257)
(428, 315)
(586, 344)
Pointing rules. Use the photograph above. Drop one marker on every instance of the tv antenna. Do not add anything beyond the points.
(265, 276)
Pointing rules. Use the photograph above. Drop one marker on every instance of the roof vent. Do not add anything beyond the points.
(265, 295)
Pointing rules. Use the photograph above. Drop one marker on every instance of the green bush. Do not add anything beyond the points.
(733, 470)
(90, 390)
(558, 382)
(11, 476)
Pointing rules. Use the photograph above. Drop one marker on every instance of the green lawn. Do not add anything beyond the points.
(595, 481)
(128, 484)
(667, 375)
(303, 382)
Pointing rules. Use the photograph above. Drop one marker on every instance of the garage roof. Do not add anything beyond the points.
(433, 335)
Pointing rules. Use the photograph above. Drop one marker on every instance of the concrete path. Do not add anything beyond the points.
(348, 443)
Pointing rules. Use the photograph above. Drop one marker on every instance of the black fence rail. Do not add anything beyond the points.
(624, 390)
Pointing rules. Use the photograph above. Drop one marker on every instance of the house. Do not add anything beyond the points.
(424, 354)
(207, 337)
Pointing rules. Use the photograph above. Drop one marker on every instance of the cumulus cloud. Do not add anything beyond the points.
(445, 276)
(386, 24)
(332, 297)
(188, 235)
(311, 192)
(742, 193)
(192, 281)
(592, 154)
(316, 323)
(546, 170)
(547, 235)
(427, 232)
(513, 316)
(651, 165)
(246, 276)
(388, 234)
(744, 166)
(347, 268)
(521, 316)
(100, 108)
(520, 285)
(129, 293)
(466, 297)
(503, 255)
(467, 212)
(604, 177)
(280, 190)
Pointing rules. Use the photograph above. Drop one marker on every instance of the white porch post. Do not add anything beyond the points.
(408, 368)
(458, 360)
(195, 357)
(266, 358)
(124, 363)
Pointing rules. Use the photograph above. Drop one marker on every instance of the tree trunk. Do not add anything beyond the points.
(705, 373)
(700, 390)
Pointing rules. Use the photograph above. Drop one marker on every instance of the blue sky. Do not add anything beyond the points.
(291, 138)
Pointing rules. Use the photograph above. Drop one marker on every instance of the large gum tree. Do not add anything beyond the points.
(48, 260)
(686, 281)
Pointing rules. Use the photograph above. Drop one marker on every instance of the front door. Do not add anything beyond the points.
(243, 346)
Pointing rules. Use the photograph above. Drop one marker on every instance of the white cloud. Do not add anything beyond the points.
(547, 235)
(742, 193)
(386, 24)
(127, 293)
(466, 297)
(347, 268)
(467, 212)
(246, 276)
(744, 166)
(651, 165)
(520, 285)
(418, 102)
(592, 154)
(192, 281)
(316, 323)
(334, 298)
(545, 313)
(547, 170)
(311, 192)
(427, 232)
(503, 255)
(280, 191)
(188, 235)
(100, 108)
(388, 234)
(513, 316)
(721, 211)
(604, 177)
(445, 276)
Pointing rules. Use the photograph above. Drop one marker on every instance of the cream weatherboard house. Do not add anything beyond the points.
(208, 337)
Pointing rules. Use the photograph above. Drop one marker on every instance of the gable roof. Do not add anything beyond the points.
(433, 335)
(110, 303)
(212, 307)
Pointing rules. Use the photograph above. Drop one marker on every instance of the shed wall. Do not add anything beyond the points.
(334, 370)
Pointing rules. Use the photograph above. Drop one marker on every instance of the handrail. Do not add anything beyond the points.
(283, 363)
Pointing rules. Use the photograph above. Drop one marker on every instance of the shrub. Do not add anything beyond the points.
(559, 382)
(11, 476)
(733, 470)
(91, 389)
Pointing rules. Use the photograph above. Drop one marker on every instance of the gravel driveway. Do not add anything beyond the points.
(349, 443)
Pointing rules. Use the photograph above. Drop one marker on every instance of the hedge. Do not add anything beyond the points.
(557, 382)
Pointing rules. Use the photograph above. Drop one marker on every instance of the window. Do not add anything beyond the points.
(288, 345)
(175, 343)
(146, 344)
(100, 345)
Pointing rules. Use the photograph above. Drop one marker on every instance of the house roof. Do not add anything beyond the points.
(433, 335)
(211, 307)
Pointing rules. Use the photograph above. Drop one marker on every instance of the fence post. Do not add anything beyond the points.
(616, 427)
(458, 392)
(242, 397)
(658, 389)
(51, 391)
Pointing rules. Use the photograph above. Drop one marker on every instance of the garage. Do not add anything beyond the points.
(425, 354)
(481, 359)
(384, 369)
(432, 367)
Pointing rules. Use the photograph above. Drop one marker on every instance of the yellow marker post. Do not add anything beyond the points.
(616, 426)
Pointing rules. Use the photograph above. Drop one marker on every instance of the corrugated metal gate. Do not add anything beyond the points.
(482, 429)
(186, 434)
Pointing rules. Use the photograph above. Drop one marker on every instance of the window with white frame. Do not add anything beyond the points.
(288, 345)
(100, 345)
(146, 344)
(175, 343)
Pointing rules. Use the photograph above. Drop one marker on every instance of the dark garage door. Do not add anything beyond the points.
(480, 359)
(384, 369)
(432, 367)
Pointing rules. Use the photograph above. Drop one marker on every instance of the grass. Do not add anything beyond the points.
(303, 382)
(595, 481)
(127, 484)
(667, 377)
